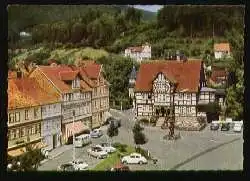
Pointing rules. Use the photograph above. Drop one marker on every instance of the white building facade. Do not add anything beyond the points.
(139, 53)
(51, 125)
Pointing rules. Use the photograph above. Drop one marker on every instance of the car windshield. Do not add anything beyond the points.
(80, 162)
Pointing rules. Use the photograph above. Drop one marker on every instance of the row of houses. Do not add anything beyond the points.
(173, 87)
(41, 105)
(141, 53)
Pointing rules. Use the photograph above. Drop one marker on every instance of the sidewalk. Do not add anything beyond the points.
(57, 152)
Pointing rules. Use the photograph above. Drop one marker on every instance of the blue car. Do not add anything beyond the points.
(96, 133)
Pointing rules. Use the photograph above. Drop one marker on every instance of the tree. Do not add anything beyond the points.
(31, 159)
(235, 91)
(112, 130)
(139, 137)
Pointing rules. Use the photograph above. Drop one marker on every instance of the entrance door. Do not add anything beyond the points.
(54, 141)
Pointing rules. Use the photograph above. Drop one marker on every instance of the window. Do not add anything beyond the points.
(26, 114)
(188, 96)
(35, 112)
(180, 95)
(14, 134)
(22, 132)
(33, 129)
(17, 133)
(11, 117)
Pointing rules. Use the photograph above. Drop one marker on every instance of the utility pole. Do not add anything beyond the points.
(74, 149)
(121, 105)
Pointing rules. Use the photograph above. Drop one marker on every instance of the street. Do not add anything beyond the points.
(204, 150)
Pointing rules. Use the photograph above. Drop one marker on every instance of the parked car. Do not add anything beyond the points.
(214, 126)
(67, 167)
(225, 127)
(106, 147)
(96, 133)
(97, 152)
(134, 158)
(80, 165)
(120, 167)
(237, 127)
(82, 140)
(116, 121)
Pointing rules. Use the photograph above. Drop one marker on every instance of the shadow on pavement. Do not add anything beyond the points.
(202, 153)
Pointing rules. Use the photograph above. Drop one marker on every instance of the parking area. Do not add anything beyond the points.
(203, 150)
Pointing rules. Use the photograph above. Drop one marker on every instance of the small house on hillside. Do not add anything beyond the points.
(221, 50)
(139, 53)
(218, 76)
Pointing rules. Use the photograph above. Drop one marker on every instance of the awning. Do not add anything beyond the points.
(77, 128)
(17, 152)
(39, 145)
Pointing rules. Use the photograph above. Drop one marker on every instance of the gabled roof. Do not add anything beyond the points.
(186, 75)
(68, 75)
(26, 92)
(222, 47)
(92, 70)
(58, 75)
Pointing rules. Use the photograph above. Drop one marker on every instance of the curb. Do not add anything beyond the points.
(52, 157)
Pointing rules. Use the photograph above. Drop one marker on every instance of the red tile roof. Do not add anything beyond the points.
(12, 74)
(85, 86)
(185, 74)
(53, 73)
(222, 47)
(68, 75)
(218, 73)
(91, 70)
(135, 49)
(26, 92)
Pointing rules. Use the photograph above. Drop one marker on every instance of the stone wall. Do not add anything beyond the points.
(189, 123)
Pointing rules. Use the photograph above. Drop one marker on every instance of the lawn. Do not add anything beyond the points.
(112, 159)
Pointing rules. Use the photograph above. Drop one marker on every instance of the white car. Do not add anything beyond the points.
(237, 127)
(106, 147)
(134, 158)
(96, 133)
(80, 165)
(97, 152)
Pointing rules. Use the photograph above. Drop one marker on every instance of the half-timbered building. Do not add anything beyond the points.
(170, 88)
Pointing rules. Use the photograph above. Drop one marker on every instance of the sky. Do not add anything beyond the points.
(153, 8)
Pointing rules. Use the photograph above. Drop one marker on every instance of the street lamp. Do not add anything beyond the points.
(74, 151)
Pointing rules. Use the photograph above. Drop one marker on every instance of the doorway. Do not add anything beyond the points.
(54, 141)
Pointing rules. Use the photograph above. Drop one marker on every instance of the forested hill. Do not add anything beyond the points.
(191, 29)
(21, 17)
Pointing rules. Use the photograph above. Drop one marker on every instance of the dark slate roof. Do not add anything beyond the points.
(133, 73)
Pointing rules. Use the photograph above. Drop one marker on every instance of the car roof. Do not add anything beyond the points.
(83, 136)
(135, 154)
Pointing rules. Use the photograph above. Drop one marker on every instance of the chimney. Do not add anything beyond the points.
(19, 74)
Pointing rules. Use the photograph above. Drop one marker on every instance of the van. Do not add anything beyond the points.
(82, 140)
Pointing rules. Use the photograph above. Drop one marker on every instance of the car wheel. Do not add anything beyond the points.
(140, 162)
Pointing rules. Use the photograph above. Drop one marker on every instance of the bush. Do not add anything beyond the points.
(120, 147)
